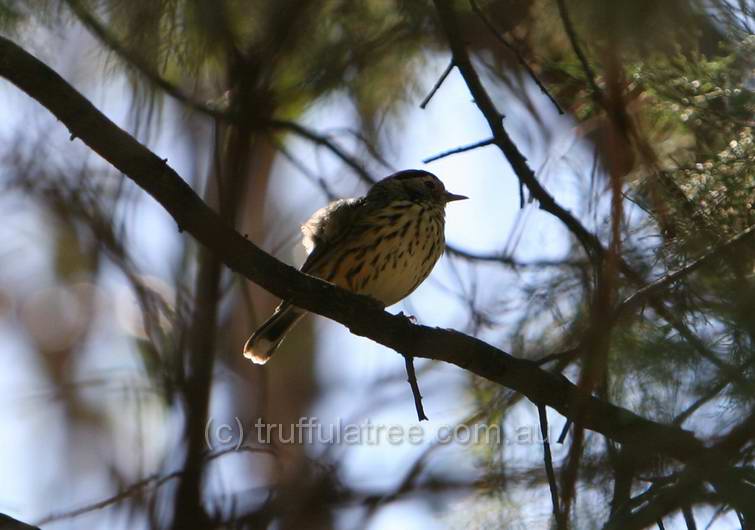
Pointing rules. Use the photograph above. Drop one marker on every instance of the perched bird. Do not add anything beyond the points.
(382, 245)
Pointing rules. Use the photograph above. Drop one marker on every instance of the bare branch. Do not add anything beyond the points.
(326, 142)
(228, 115)
(668, 280)
(501, 137)
(574, 41)
(548, 459)
(457, 150)
(568, 356)
(506, 259)
(437, 85)
(497, 34)
(689, 517)
(156, 480)
(138, 63)
(412, 380)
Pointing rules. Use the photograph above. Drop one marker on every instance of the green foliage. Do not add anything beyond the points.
(10, 17)
(284, 55)
(699, 114)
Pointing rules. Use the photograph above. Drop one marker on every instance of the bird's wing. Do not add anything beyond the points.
(327, 227)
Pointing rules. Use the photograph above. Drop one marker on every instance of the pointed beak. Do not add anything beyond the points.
(450, 197)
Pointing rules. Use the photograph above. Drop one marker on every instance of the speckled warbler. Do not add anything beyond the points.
(382, 245)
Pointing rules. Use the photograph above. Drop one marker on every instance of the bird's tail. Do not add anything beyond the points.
(263, 342)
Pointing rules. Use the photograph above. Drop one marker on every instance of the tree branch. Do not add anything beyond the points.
(524, 173)
(437, 85)
(548, 460)
(590, 242)
(141, 66)
(331, 146)
(500, 38)
(153, 481)
(571, 33)
(411, 378)
(663, 283)
(457, 150)
(362, 315)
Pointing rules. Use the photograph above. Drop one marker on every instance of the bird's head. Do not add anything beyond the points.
(417, 186)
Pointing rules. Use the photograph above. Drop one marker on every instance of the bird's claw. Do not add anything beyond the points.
(410, 318)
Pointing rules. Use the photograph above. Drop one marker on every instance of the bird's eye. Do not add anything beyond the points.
(430, 184)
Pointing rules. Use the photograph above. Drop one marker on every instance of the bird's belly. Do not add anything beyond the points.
(395, 270)
(390, 262)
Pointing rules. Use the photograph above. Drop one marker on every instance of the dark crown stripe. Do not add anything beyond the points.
(411, 174)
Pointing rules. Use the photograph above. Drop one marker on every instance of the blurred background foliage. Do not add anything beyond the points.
(122, 337)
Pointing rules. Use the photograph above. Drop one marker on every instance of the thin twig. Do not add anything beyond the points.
(437, 85)
(668, 280)
(411, 377)
(557, 514)
(568, 355)
(371, 148)
(326, 142)
(686, 489)
(457, 150)
(155, 481)
(304, 170)
(715, 516)
(506, 259)
(137, 63)
(564, 431)
(689, 517)
(652, 290)
(228, 115)
(571, 470)
(571, 33)
(694, 407)
(497, 34)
